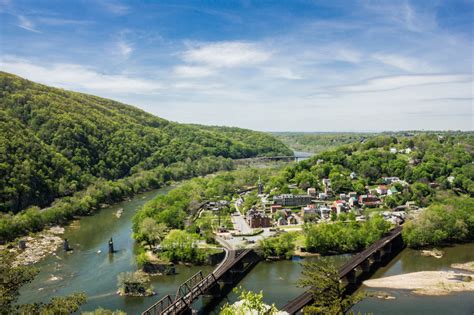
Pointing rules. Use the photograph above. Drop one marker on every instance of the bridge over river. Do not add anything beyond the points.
(360, 264)
(238, 262)
(227, 274)
(297, 157)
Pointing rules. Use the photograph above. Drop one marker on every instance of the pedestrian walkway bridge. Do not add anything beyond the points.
(234, 266)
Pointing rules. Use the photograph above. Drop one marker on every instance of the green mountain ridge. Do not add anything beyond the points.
(55, 142)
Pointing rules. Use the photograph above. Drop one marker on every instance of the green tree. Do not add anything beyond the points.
(249, 303)
(14, 277)
(152, 232)
(329, 294)
(102, 311)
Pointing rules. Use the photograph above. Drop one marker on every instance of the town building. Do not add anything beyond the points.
(290, 220)
(382, 189)
(311, 191)
(324, 212)
(323, 196)
(308, 210)
(275, 208)
(340, 206)
(390, 180)
(369, 201)
(392, 191)
(258, 219)
(290, 200)
(352, 194)
(353, 202)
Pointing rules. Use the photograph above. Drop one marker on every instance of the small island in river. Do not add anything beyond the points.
(427, 282)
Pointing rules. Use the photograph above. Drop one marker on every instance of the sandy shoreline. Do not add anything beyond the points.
(427, 282)
(469, 266)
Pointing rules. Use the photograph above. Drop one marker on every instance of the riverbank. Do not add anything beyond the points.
(469, 266)
(427, 282)
(38, 246)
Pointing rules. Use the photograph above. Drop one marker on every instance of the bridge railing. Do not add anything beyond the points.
(195, 286)
(159, 306)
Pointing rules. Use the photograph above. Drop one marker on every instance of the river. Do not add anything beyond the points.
(301, 155)
(84, 270)
(407, 303)
(95, 274)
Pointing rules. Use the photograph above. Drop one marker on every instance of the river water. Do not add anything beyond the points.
(407, 303)
(86, 270)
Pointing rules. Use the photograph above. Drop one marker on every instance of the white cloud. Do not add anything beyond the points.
(401, 81)
(59, 21)
(27, 24)
(227, 54)
(333, 52)
(403, 14)
(116, 8)
(400, 62)
(124, 49)
(193, 71)
(279, 72)
(78, 77)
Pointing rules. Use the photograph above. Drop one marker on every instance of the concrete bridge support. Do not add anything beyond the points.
(352, 277)
(377, 256)
(388, 248)
(365, 265)
(214, 291)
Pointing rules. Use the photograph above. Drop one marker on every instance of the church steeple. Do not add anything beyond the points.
(260, 186)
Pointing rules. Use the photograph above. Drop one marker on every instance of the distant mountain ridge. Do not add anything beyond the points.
(54, 142)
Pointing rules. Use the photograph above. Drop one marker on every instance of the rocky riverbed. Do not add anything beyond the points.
(38, 246)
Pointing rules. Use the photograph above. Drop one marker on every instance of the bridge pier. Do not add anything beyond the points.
(352, 277)
(365, 265)
(377, 256)
(388, 248)
(238, 268)
(213, 291)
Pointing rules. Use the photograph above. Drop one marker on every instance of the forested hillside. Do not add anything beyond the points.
(55, 142)
(316, 142)
(424, 160)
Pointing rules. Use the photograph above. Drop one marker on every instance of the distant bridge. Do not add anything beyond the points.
(288, 158)
(364, 261)
(234, 266)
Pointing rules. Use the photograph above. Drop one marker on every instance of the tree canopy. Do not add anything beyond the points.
(55, 142)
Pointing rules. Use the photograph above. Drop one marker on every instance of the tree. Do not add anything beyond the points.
(152, 232)
(102, 311)
(279, 246)
(182, 246)
(57, 305)
(249, 303)
(14, 277)
(329, 294)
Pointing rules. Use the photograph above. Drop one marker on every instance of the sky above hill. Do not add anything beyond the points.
(264, 65)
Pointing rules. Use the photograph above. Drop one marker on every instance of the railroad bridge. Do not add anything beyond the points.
(359, 267)
(227, 274)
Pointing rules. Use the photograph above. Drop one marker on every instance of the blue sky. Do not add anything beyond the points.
(264, 65)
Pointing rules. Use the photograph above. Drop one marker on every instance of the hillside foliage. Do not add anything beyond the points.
(420, 160)
(55, 142)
